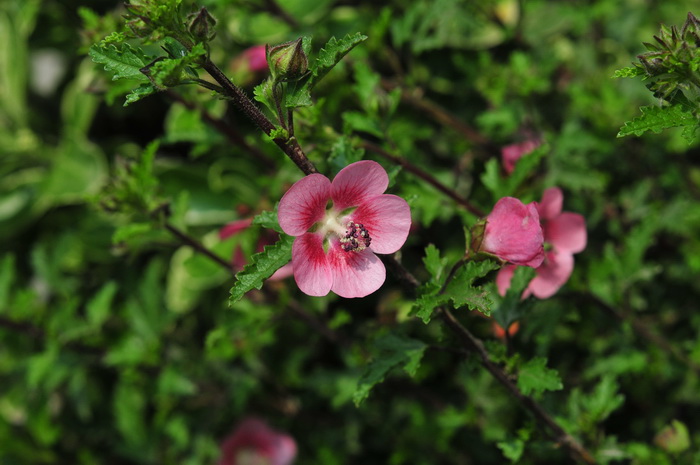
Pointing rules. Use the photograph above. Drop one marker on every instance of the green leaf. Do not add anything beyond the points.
(391, 350)
(332, 53)
(630, 71)
(124, 63)
(424, 305)
(100, 306)
(462, 291)
(268, 219)
(656, 119)
(142, 91)
(504, 187)
(262, 266)
(343, 153)
(534, 377)
(434, 264)
(7, 277)
(512, 450)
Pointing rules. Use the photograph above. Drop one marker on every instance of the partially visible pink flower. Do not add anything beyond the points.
(513, 233)
(268, 237)
(339, 226)
(510, 154)
(255, 443)
(256, 58)
(565, 235)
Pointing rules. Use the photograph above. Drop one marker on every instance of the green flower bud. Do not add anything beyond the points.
(287, 61)
(201, 26)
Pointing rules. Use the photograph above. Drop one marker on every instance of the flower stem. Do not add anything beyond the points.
(424, 176)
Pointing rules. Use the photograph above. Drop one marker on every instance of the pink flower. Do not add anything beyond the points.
(513, 233)
(268, 237)
(565, 234)
(335, 245)
(510, 154)
(256, 58)
(255, 443)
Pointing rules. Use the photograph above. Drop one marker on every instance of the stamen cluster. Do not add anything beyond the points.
(356, 238)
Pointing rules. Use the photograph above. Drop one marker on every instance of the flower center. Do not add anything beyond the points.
(356, 238)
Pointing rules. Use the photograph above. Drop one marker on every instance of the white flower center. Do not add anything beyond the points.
(353, 237)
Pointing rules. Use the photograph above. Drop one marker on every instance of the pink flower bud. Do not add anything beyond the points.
(510, 154)
(253, 442)
(513, 233)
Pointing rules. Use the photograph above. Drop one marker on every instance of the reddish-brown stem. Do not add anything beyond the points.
(425, 176)
(289, 146)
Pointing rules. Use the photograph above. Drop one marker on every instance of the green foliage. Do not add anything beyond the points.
(263, 265)
(124, 62)
(535, 378)
(507, 186)
(390, 351)
(656, 119)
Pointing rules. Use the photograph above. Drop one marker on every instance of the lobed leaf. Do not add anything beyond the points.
(124, 63)
(392, 350)
(630, 71)
(262, 266)
(332, 53)
(534, 377)
(656, 119)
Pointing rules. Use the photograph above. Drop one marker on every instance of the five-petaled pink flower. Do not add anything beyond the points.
(513, 233)
(510, 154)
(255, 443)
(336, 242)
(565, 235)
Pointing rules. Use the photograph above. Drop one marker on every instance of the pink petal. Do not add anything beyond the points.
(387, 219)
(257, 58)
(311, 268)
(566, 232)
(234, 227)
(510, 154)
(355, 274)
(552, 201)
(513, 233)
(357, 182)
(504, 277)
(304, 204)
(553, 274)
(285, 450)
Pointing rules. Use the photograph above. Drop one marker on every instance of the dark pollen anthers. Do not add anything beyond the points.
(356, 238)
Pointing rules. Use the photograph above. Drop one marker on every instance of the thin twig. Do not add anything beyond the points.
(197, 246)
(425, 176)
(415, 98)
(275, 9)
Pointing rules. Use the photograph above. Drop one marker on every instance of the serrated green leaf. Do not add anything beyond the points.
(130, 231)
(123, 62)
(462, 291)
(142, 91)
(262, 266)
(656, 119)
(434, 264)
(268, 219)
(512, 450)
(391, 350)
(534, 377)
(332, 53)
(424, 305)
(630, 71)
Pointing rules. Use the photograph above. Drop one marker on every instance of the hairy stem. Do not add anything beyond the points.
(289, 146)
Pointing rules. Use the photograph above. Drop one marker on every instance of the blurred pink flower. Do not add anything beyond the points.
(510, 154)
(335, 247)
(565, 235)
(268, 237)
(513, 233)
(256, 58)
(255, 443)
